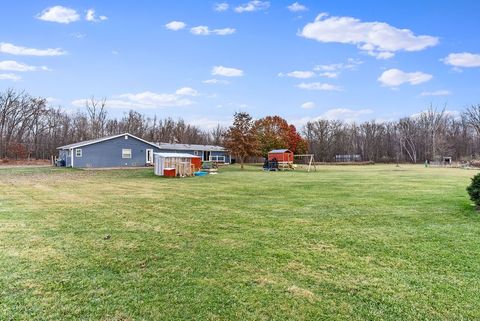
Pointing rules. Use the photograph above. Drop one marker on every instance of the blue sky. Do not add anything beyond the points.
(302, 60)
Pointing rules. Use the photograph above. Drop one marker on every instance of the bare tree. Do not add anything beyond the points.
(97, 116)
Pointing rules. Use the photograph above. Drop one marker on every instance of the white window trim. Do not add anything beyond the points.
(78, 150)
(123, 153)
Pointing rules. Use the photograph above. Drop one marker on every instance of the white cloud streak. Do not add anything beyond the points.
(220, 7)
(252, 6)
(436, 93)
(11, 65)
(206, 31)
(12, 49)
(298, 74)
(318, 86)
(227, 71)
(10, 76)
(175, 25)
(91, 16)
(147, 100)
(308, 105)
(297, 7)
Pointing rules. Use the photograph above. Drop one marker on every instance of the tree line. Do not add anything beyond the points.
(428, 136)
(29, 127)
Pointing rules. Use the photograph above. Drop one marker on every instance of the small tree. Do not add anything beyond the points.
(240, 138)
(474, 190)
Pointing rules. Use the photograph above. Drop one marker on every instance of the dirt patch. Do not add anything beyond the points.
(301, 292)
(24, 162)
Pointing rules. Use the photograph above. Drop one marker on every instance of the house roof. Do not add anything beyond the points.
(192, 147)
(98, 140)
(177, 155)
(279, 151)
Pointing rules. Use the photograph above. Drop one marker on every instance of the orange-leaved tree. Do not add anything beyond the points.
(274, 132)
(240, 138)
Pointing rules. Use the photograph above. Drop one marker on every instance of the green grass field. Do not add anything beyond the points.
(343, 243)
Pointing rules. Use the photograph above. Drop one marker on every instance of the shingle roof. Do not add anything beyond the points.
(167, 146)
(98, 140)
(177, 155)
(191, 147)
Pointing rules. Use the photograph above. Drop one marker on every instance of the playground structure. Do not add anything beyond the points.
(176, 164)
(308, 160)
(282, 159)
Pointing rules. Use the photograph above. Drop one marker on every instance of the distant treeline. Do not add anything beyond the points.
(29, 127)
(427, 136)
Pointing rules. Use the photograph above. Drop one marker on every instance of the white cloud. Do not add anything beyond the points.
(254, 5)
(463, 59)
(346, 114)
(334, 70)
(53, 100)
(144, 100)
(186, 91)
(297, 7)
(90, 16)
(396, 77)
(9, 76)
(219, 7)
(318, 86)
(329, 74)
(175, 25)
(298, 74)
(378, 39)
(11, 65)
(24, 51)
(226, 71)
(308, 105)
(436, 93)
(343, 114)
(206, 31)
(216, 81)
(59, 14)
(78, 35)
(209, 123)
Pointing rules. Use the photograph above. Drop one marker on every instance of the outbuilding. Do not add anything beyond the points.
(281, 155)
(176, 164)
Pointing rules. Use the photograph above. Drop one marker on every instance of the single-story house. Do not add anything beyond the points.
(127, 150)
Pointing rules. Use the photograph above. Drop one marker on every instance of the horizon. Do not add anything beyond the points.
(204, 61)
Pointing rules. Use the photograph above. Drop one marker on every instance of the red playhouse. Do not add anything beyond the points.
(281, 155)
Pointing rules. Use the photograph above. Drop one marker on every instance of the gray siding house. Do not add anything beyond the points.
(127, 150)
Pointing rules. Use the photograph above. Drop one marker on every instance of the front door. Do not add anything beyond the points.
(149, 156)
(206, 155)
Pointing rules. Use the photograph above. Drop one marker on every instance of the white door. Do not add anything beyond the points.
(149, 156)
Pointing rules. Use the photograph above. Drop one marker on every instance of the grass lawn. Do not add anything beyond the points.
(343, 243)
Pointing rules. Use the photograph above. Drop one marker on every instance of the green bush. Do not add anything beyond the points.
(474, 190)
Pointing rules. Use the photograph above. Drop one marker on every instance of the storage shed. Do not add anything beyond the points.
(176, 164)
(281, 155)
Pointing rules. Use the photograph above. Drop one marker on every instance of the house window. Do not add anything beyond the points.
(78, 152)
(126, 153)
(126, 137)
(197, 153)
